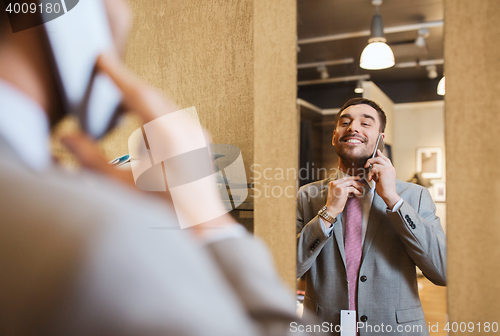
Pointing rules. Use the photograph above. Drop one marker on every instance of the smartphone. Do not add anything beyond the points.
(74, 41)
(379, 146)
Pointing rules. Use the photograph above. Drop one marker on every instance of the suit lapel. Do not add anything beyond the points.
(377, 209)
(339, 236)
(337, 228)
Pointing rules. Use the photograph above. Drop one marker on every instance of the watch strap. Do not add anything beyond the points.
(325, 215)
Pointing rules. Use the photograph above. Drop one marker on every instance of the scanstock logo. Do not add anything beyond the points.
(26, 14)
(172, 152)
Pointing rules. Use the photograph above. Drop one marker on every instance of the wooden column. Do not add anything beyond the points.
(472, 119)
(235, 60)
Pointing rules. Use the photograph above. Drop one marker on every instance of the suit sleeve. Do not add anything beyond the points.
(421, 232)
(311, 237)
(247, 266)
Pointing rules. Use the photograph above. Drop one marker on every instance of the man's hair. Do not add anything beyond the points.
(359, 101)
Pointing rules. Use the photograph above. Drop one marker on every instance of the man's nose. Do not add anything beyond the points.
(353, 128)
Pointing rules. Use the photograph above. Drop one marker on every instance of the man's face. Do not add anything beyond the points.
(356, 134)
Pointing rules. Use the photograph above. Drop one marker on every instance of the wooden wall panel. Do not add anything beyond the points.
(472, 57)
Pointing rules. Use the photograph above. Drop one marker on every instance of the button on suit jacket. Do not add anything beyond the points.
(394, 244)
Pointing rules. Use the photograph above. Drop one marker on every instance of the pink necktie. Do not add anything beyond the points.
(352, 246)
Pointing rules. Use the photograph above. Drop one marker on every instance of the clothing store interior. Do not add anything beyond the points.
(237, 86)
(268, 81)
(332, 37)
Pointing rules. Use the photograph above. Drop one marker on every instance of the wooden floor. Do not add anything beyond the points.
(434, 304)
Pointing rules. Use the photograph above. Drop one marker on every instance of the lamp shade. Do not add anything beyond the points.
(376, 56)
(441, 87)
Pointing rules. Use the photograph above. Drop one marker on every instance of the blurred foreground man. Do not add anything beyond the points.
(77, 252)
(362, 232)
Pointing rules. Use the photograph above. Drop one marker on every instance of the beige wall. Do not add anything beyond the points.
(200, 53)
(235, 60)
(472, 155)
(415, 125)
(373, 92)
(418, 125)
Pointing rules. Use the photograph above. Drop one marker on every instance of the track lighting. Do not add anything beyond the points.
(323, 71)
(431, 71)
(359, 87)
(423, 33)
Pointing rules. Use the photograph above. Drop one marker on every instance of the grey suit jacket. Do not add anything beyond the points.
(394, 244)
(82, 255)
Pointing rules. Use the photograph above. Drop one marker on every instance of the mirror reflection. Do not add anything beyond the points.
(385, 54)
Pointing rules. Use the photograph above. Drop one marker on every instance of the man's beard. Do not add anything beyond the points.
(351, 160)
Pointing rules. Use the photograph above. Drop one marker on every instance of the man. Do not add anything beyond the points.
(362, 232)
(78, 255)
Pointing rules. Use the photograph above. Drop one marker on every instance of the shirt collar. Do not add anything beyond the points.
(341, 174)
(24, 126)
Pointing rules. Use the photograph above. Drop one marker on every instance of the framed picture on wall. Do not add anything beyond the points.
(439, 192)
(430, 162)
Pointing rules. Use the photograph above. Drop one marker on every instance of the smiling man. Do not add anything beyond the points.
(361, 233)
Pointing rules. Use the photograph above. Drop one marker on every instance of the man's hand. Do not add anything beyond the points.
(91, 157)
(339, 191)
(139, 98)
(384, 174)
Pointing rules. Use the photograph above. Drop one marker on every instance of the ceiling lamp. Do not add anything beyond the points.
(359, 87)
(323, 71)
(377, 54)
(441, 87)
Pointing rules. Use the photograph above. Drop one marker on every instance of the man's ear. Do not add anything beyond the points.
(333, 139)
(383, 136)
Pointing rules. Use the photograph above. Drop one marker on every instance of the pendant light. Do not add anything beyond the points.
(441, 87)
(377, 54)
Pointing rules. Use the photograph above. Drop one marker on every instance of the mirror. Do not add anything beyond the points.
(332, 35)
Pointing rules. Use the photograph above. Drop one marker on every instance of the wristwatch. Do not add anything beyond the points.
(326, 216)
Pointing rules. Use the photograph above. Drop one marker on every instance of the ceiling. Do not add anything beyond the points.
(319, 18)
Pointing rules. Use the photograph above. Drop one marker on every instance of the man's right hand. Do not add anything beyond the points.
(339, 191)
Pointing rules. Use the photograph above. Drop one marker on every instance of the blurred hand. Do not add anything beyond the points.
(149, 104)
(139, 98)
(90, 156)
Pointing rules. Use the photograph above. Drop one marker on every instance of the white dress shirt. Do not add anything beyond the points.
(24, 125)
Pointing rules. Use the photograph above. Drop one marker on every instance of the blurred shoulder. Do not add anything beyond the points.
(81, 197)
